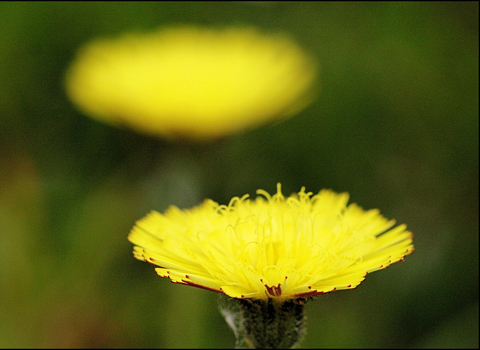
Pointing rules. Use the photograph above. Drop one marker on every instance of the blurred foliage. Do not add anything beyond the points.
(395, 124)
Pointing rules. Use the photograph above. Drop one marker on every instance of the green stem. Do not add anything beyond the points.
(266, 324)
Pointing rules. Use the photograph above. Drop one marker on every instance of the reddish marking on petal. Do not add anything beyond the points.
(187, 276)
(152, 261)
(308, 294)
(366, 273)
(309, 287)
(188, 283)
(312, 294)
(334, 289)
(243, 296)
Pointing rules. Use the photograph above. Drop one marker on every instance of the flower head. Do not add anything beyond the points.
(191, 82)
(271, 247)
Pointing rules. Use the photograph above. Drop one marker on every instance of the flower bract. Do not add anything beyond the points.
(271, 247)
(191, 82)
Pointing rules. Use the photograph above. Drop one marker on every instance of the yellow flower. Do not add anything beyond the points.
(191, 82)
(272, 247)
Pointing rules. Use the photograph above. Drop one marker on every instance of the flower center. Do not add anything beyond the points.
(274, 291)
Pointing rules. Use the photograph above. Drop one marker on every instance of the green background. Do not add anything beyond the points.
(395, 124)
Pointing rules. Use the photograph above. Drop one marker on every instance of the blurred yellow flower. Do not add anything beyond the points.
(272, 247)
(191, 82)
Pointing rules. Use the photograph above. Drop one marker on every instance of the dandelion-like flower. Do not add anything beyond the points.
(191, 82)
(272, 247)
(270, 255)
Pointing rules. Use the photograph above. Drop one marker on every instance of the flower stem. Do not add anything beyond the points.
(267, 324)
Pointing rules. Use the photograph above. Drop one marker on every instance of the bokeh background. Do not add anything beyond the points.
(395, 124)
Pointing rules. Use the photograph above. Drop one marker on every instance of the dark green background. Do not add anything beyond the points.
(395, 124)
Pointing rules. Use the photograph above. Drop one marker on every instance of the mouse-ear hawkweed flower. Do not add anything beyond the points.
(191, 82)
(270, 254)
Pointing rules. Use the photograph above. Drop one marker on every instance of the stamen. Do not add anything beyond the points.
(274, 291)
